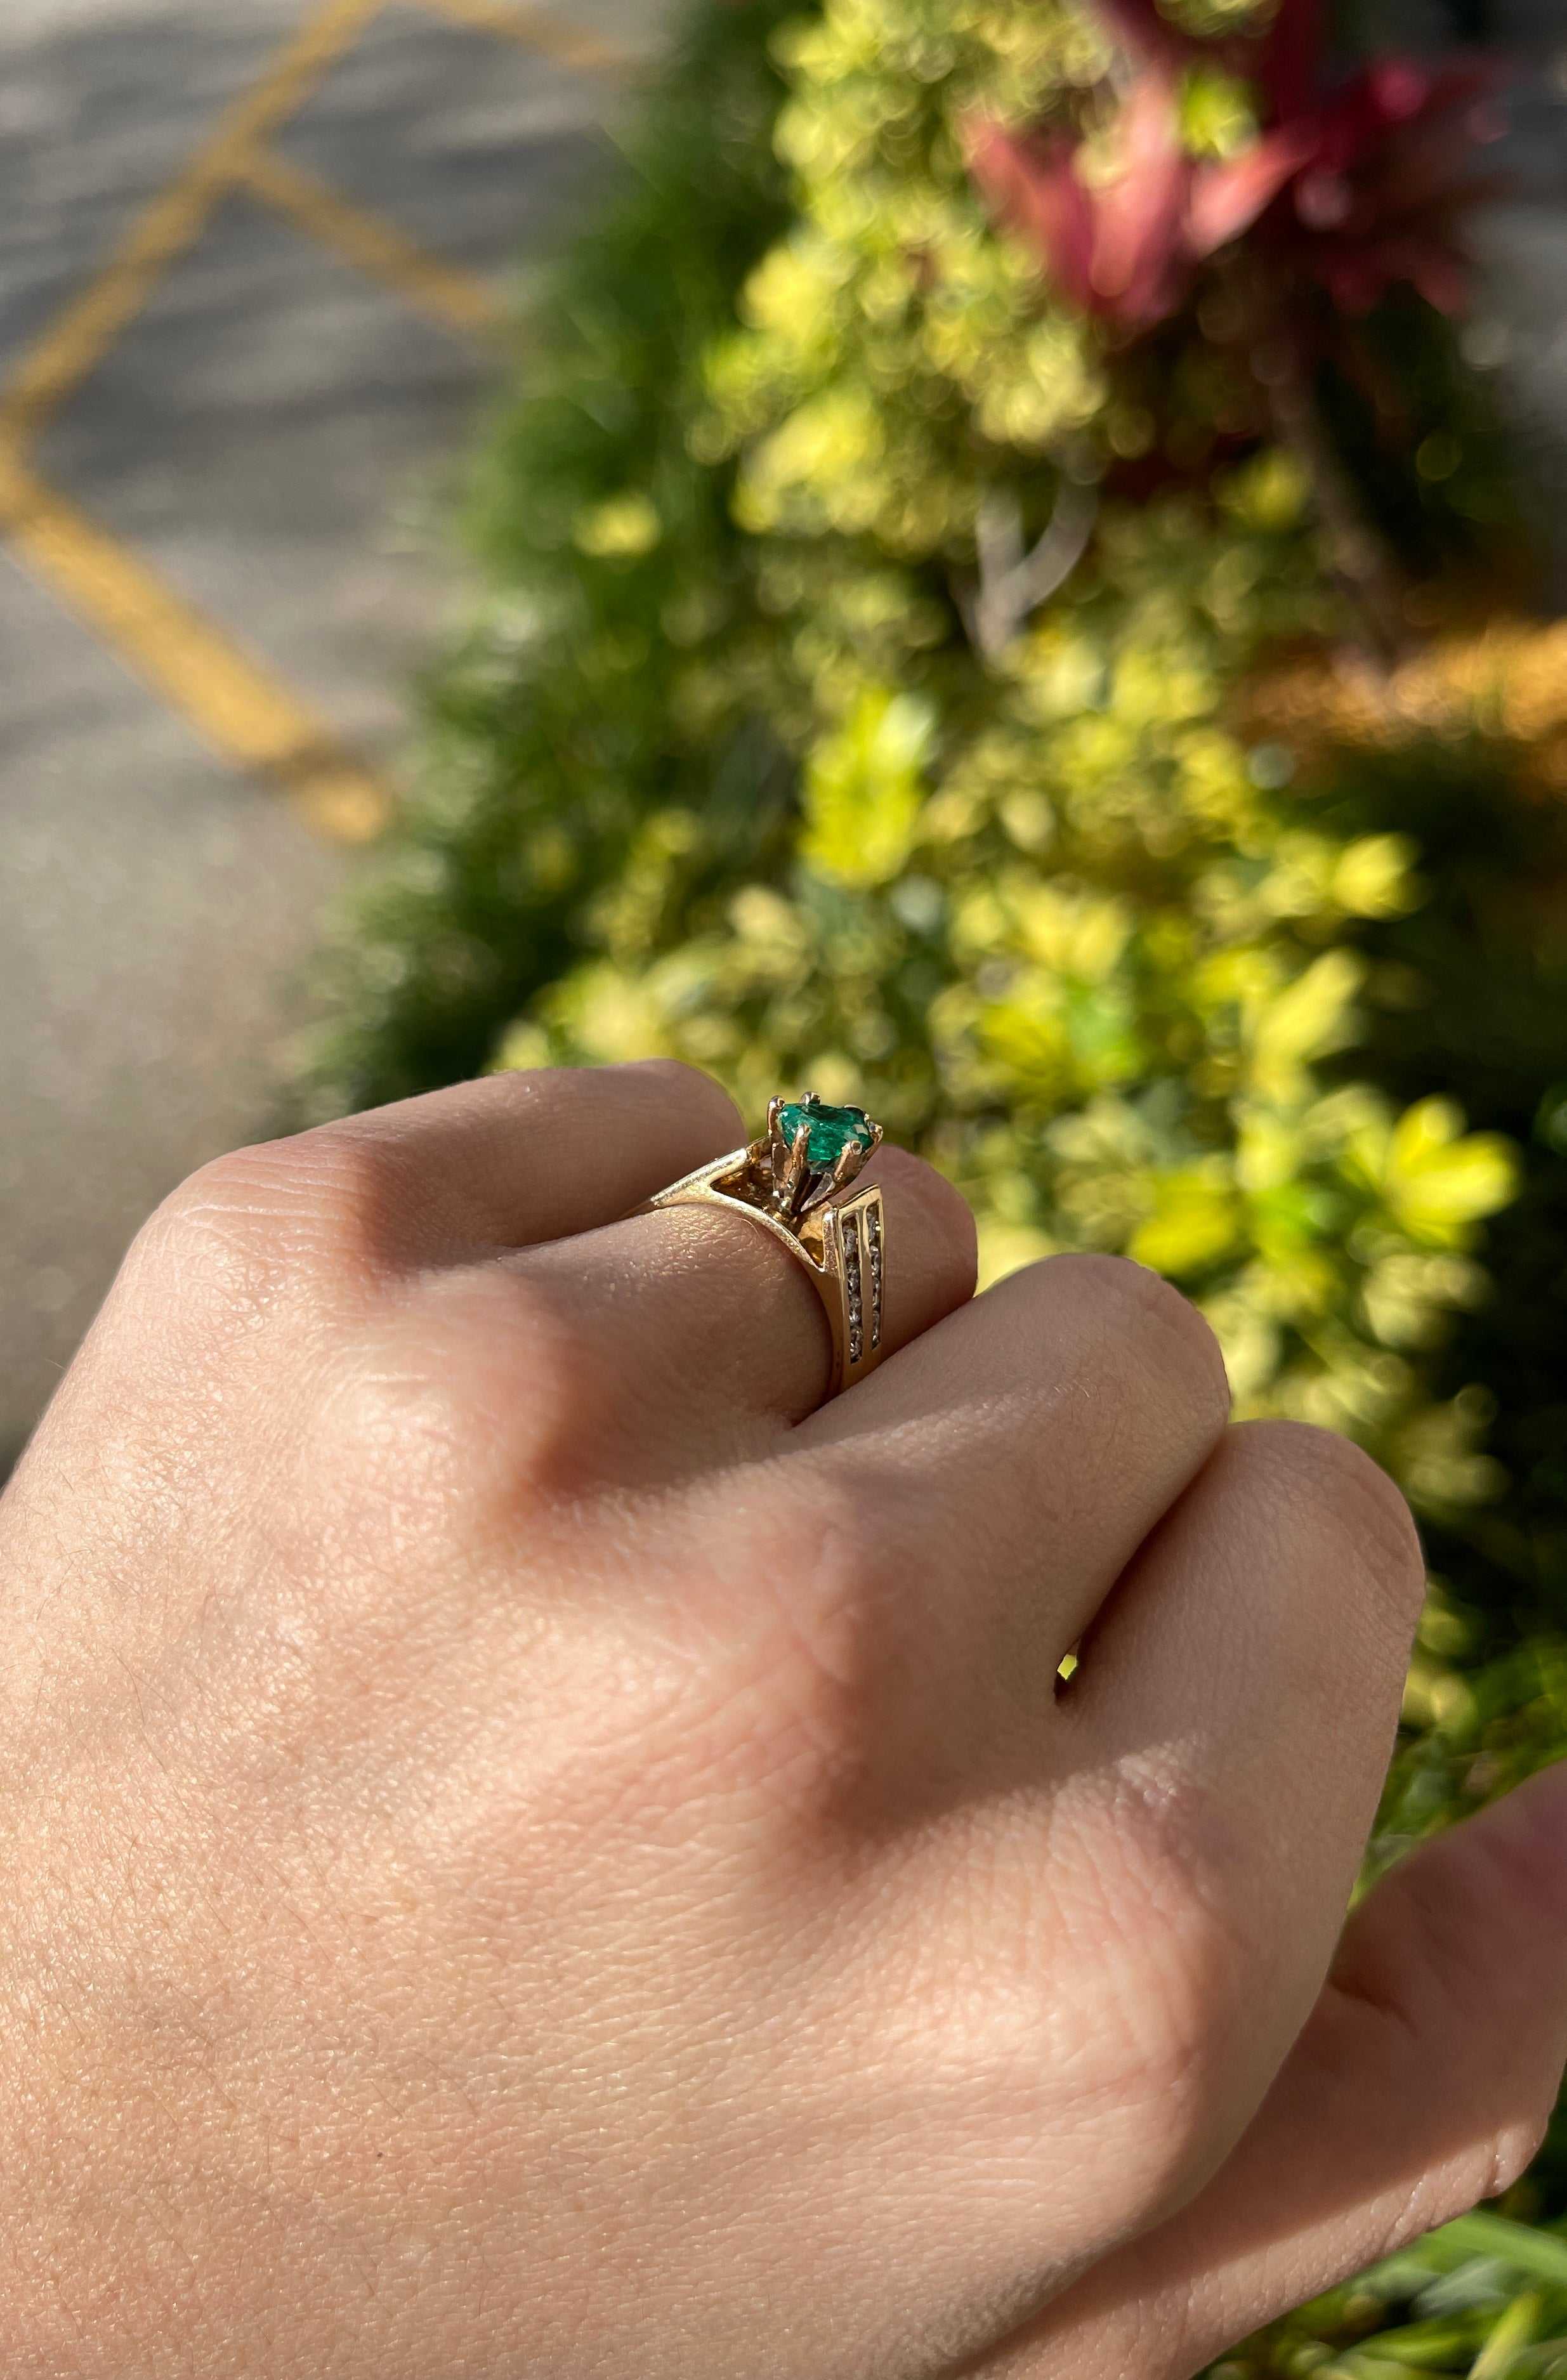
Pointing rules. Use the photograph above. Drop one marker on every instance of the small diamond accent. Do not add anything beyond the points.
(852, 1285)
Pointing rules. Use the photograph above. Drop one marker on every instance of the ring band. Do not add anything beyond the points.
(786, 1180)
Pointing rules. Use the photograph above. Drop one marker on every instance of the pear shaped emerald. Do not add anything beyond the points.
(829, 1131)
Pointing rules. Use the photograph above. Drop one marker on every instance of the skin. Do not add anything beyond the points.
(535, 1847)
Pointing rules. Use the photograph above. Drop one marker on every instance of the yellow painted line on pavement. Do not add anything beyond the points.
(75, 342)
(537, 29)
(247, 718)
(82, 335)
(456, 298)
(245, 714)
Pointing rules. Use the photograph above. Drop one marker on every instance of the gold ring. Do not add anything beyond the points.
(787, 1181)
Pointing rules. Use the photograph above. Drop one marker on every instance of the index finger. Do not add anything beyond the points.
(514, 1159)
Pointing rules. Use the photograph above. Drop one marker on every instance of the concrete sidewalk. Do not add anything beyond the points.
(217, 475)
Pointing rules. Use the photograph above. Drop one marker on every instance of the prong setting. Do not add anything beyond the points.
(787, 1180)
(813, 1151)
(791, 1176)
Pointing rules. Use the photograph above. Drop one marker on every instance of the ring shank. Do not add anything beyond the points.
(842, 1246)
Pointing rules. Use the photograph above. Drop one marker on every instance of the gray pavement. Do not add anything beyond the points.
(271, 432)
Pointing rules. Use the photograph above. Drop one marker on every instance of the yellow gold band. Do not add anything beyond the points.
(784, 1180)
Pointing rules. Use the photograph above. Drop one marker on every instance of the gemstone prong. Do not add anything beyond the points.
(851, 1157)
(809, 1151)
(846, 1165)
(795, 1166)
(838, 1141)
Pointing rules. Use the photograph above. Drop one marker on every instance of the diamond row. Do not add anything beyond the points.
(852, 1283)
(859, 1272)
(873, 1265)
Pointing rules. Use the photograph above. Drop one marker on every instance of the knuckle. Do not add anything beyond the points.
(1481, 2169)
(1350, 1499)
(530, 1387)
(344, 1199)
(316, 1210)
(211, 1240)
(691, 1086)
(476, 1402)
(224, 1192)
(1506, 2157)
(389, 1435)
(1139, 1304)
(558, 1405)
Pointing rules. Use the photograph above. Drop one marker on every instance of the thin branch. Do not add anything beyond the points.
(1011, 583)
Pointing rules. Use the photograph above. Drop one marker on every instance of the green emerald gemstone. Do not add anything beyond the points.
(829, 1131)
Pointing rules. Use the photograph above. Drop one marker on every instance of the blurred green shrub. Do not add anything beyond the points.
(1077, 723)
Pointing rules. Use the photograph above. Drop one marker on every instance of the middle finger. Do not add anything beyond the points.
(1011, 1464)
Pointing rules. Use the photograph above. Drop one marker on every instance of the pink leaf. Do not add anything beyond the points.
(1226, 198)
(1138, 215)
(1030, 187)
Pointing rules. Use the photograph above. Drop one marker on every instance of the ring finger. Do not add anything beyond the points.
(715, 1333)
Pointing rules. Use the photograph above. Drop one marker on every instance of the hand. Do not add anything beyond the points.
(534, 1846)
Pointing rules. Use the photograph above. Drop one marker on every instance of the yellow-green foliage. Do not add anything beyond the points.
(1055, 917)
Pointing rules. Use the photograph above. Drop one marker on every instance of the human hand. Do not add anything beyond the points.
(533, 1847)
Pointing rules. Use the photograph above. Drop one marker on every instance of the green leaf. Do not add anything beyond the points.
(1439, 1180)
(1197, 1218)
(1542, 2253)
(863, 790)
(1516, 2330)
